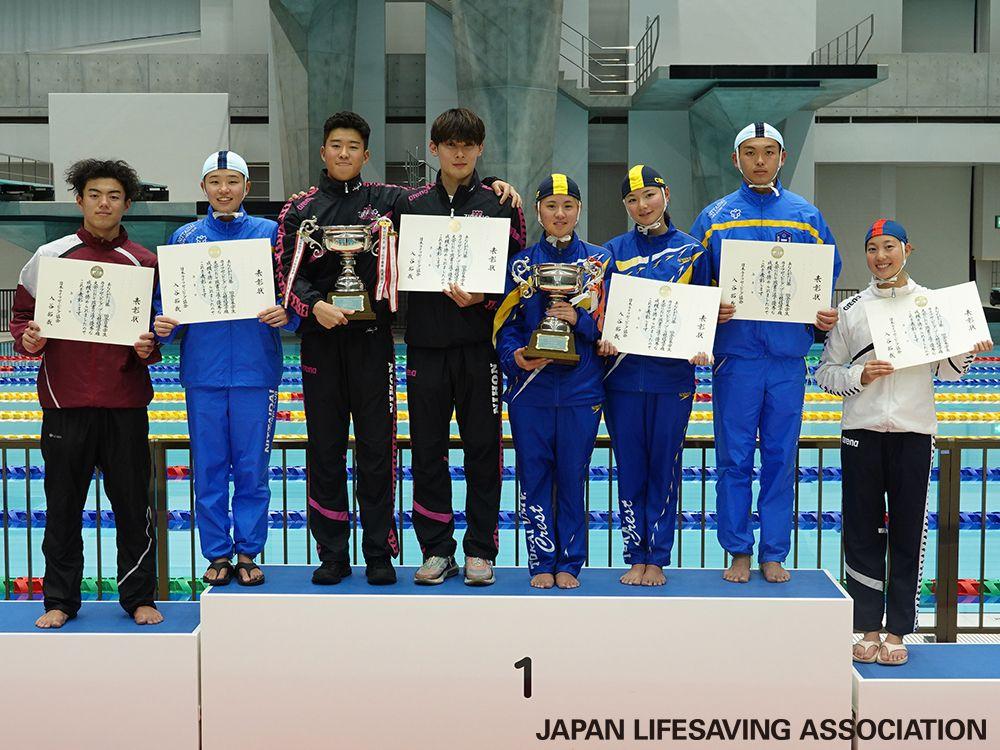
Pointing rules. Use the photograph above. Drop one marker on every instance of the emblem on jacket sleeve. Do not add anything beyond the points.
(783, 236)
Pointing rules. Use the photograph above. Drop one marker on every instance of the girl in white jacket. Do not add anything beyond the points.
(887, 447)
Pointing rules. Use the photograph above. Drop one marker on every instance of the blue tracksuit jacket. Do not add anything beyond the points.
(758, 385)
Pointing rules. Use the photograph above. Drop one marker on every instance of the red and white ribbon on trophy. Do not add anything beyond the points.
(388, 272)
(302, 239)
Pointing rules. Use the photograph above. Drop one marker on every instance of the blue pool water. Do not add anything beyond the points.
(817, 545)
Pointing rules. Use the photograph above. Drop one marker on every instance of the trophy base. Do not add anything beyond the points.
(559, 347)
(359, 302)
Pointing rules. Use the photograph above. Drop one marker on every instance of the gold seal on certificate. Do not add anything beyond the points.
(553, 339)
(347, 241)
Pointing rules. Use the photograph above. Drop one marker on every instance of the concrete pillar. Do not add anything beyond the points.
(369, 83)
(662, 140)
(313, 45)
(507, 65)
(570, 156)
(440, 86)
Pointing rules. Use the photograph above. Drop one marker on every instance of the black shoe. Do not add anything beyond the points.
(380, 572)
(330, 573)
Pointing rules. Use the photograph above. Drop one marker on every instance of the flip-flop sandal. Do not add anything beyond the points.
(249, 567)
(220, 567)
(865, 645)
(892, 648)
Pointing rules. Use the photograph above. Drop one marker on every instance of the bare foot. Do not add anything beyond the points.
(739, 570)
(54, 618)
(773, 572)
(653, 576)
(543, 581)
(147, 616)
(257, 574)
(634, 575)
(566, 580)
(867, 654)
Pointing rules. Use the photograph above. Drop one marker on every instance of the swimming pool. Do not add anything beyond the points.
(969, 408)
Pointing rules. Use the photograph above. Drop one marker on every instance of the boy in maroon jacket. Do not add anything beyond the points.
(94, 398)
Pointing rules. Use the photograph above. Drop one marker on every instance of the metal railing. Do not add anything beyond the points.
(950, 524)
(6, 304)
(839, 295)
(418, 171)
(610, 70)
(645, 50)
(847, 48)
(24, 169)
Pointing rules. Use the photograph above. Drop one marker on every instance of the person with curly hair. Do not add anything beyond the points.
(94, 398)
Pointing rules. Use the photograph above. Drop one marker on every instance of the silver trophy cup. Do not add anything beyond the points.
(347, 241)
(553, 339)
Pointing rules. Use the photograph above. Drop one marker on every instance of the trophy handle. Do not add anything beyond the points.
(306, 229)
(520, 271)
(595, 270)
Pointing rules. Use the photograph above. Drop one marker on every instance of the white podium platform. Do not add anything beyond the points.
(945, 691)
(354, 666)
(100, 681)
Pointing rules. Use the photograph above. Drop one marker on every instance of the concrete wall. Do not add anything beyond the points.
(609, 21)
(441, 83)
(907, 143)
(26, 80)
(220, 27)
(576, 13)
(401, 137)
(369, 82)
(929, 84)
(569, 155)
(12, 260)
(932, 202)
(985, 235)
(834, 18)
(936, 26)
(251, 141)
(663, 141)
(32, 26)
(405, 29)
(145, 133)
(721, 31)
(25, 139)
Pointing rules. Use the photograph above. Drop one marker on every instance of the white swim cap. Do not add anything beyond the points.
(758, 130)
(225, 160)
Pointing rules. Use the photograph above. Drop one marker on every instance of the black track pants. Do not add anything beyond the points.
(350, 372)
(465, 379)
(74, 442)
(877, 465)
